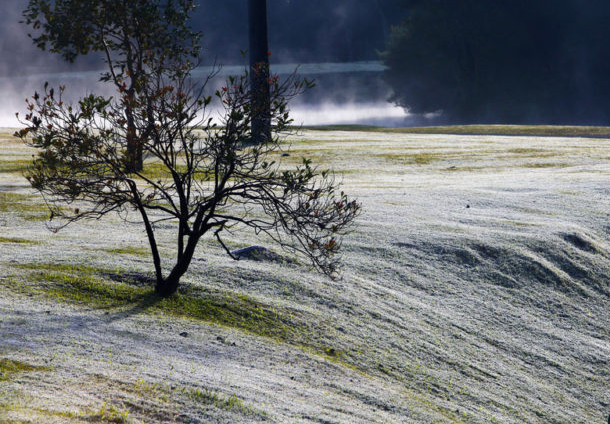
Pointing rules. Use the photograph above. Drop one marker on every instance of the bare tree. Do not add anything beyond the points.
(209, 177)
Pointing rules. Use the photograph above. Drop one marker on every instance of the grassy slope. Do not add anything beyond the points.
(475, 292)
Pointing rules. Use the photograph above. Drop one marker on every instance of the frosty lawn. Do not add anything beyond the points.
(475, 291)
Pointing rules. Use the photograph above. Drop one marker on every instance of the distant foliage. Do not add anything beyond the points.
(122, 27)
(535, 61)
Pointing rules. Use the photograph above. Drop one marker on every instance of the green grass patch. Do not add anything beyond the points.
(80, 284)
(526, 151)
(9, 367)
(51, 413)
(16, 240)
(467, 168)
(230, 403)
(29, 207)
(178, 395)
(423, 158)
(109, 414)
(331, 155)
(347, 127)
(233, 310)
(158, 170)
(64, 267)
(545, 165)
(128, 250)
(14, 166)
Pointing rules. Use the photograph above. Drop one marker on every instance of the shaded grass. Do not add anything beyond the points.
(108, 289)
(86, 285)
(114, 289)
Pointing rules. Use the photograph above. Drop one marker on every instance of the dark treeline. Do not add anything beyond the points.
(299, 31)
(505, 61)
(302, 31)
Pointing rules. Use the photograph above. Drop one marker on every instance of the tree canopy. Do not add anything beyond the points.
(535, 61)
(201, 174)
(133, 37)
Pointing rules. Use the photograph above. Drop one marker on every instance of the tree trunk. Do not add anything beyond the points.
(165, 287)
(134, 147)
(168, 286)
(259, 71)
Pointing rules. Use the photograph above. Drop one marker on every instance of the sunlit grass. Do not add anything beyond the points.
(530, 130)
(16, 240)
(128, 250)
(14, 166)
(28, 207)
(158, 170)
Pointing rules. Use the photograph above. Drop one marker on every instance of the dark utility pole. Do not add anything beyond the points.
(259, 70)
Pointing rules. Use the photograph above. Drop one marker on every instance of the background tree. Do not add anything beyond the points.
(127, 33)
(259, 69)
(205, 177)
(535, 61)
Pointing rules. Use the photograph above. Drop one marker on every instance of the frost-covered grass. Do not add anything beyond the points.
(475, 291)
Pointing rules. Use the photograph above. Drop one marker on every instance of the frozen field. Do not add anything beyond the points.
(476, 290)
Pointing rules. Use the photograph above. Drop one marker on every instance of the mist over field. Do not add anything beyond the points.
(336, 33)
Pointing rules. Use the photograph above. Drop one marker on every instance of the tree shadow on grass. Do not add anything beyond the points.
(142, 305)
(143, 302)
